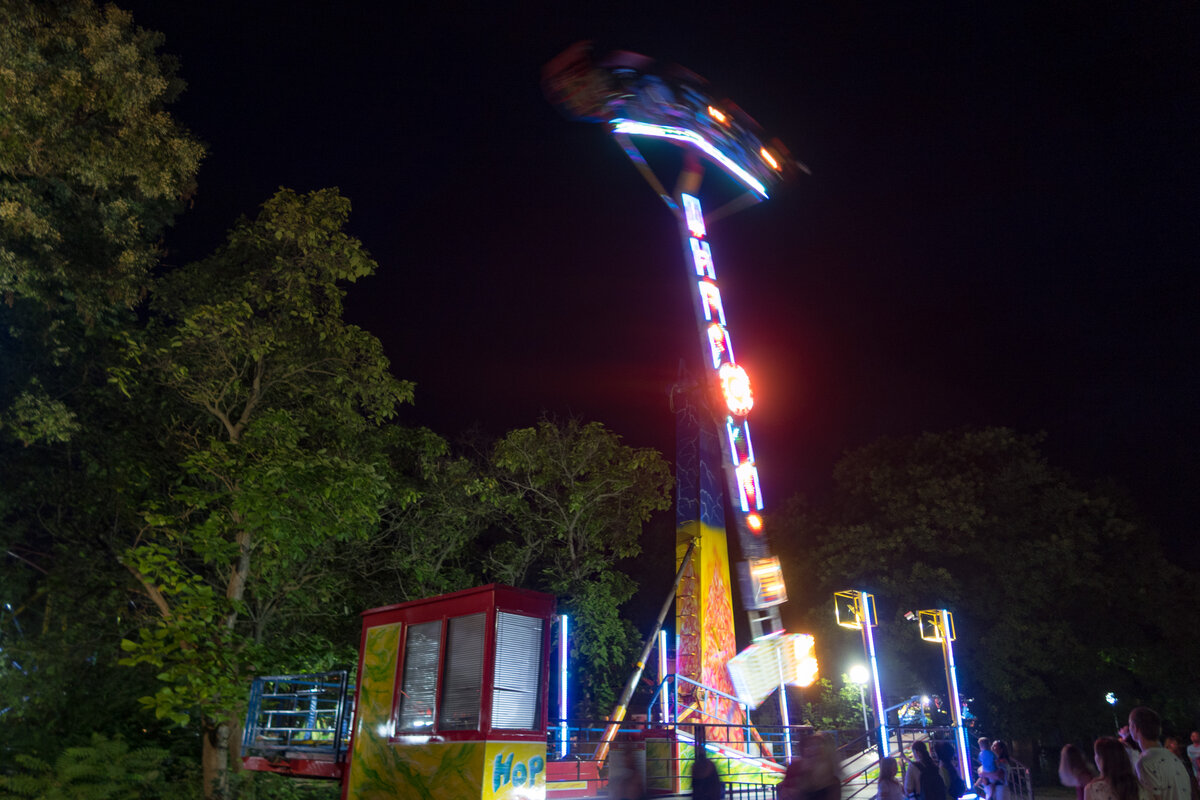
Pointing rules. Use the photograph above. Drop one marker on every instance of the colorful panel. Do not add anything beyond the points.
(413, 766)
(514, 771)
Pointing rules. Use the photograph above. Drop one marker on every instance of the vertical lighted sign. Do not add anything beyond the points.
(738, 398)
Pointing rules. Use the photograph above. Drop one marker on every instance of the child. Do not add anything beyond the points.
(987, 763)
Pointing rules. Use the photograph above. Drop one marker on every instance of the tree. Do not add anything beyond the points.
(432, 524)
(92, 168)
(277, 401)
(1051, 584)
(574, 500)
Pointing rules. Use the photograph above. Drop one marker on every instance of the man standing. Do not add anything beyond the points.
(1160, 772)
(1193, 751)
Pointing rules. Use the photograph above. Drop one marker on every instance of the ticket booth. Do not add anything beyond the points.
(451, 698)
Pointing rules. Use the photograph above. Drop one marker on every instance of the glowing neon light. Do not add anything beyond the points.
(754, 522)
(663, 701)
(710, 299)
(741, 449)
(633, 128)
(702, 258)
(768, 577)
(735, 386)
(717, 114)
(735, 441)
(747, 480)
(562, 685)
(770, 159)
(718, 342)
(804, 655)
(868, 615)
(960, 735)
(694, 217)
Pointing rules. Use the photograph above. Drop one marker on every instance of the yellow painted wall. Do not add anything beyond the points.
(707, 590)
(382, 770)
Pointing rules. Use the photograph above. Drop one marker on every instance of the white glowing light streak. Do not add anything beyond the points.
(747, 479)
(562, 685)
(710, 297)
(737, 755)
(694, 216)
(960, 734)
(634, 128)
(865, 601)
(702, 258)
(662, 675)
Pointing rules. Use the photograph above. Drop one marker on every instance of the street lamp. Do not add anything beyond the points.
(859, 675)
(1111, 699)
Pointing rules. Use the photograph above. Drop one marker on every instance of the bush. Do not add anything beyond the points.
(107, 769)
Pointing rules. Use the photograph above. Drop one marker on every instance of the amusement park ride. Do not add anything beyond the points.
(451, 698)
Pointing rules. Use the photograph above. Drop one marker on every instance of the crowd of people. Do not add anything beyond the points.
(1136, 764)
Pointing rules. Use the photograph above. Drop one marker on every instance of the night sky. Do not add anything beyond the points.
(1000, 227)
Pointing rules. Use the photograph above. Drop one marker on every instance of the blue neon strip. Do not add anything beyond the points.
(866, 600)
(662, 675)
(562, 685)
(959, 732)
(633, 128)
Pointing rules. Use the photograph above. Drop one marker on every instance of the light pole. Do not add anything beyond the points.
(859, 675)
(937, 625)
(856, 609)
(1111, 699)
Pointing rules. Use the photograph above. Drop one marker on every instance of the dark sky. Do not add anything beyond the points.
(1000, 228)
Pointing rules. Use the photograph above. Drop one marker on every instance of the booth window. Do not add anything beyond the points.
(418, 690)
(462, 678)
(517, 680)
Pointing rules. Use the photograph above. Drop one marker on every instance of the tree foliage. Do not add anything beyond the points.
(92, 167)
(103, 769)
(1053, 586)
(276, 398)
(574, 500)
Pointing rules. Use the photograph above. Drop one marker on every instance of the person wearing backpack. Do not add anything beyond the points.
(922, 781)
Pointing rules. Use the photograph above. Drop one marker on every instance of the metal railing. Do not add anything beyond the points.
(300, 716)
(747, 761)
